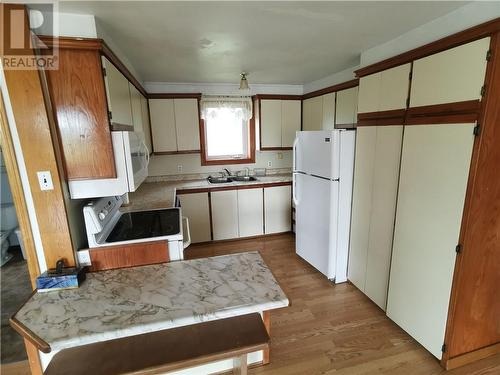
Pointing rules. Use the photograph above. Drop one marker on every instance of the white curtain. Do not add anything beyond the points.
(240, 105)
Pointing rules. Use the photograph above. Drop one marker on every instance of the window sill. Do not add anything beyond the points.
(228, 161)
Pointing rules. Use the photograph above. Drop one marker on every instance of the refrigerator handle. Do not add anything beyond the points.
(294, 162)
(294, 190)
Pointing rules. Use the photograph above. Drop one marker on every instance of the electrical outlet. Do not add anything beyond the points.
(269, 164)
(45, 180)
(83, 258)
(179, 168)
(280, 155)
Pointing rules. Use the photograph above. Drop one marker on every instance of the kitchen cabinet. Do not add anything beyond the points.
(136, 105)
(384, 91)
(146, 124)
(224, 214)
(376, 176)
(250, 212)
(346, 107)
(118, 95)
(454, 75)
(432, 185)
(279, 121)
(195, 206)
(175, 124)
(312, 115)
(277, 209)
(328, 111)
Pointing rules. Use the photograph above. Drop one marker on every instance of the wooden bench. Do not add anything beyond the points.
(168, 350)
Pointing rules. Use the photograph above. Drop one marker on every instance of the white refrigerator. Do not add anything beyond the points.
(323, 164)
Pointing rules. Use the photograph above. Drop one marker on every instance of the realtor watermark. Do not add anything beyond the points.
(21, 46)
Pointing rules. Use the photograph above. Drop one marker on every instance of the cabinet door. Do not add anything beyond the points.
(312, 115)
(277, 209)
(163, 125)
(290, 121)
(224, 214)
(434, 171)
(369, 88)
(146, 124)
(250, 212)
(118, 94)
(453, 75)
(270, 126)
(393, 90)
(196, 208)
(187, 124)
(136, 104)
(346, 109)
(328, 111)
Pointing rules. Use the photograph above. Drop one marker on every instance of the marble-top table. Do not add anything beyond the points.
(131, 301)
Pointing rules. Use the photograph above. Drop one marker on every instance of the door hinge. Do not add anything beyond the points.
(110, 115)
(488, 55)
(443, 348)
(458, 249)
(477, 130)
(483, 90)
(104, 72)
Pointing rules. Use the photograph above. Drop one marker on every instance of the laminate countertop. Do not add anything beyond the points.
(132, 301)
(155, 195)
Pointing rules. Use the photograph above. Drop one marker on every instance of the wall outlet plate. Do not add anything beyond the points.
(84, 258)
(269, 164)
(45, 180)
(179, 168)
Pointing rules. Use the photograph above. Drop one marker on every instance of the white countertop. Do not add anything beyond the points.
(131, 301)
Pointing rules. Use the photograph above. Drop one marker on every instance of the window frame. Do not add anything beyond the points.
(205, 160)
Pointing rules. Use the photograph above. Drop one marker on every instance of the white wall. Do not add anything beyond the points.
(334, 79)
(460, 19)
(221, 88)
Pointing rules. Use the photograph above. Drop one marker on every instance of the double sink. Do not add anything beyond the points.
(228, 179)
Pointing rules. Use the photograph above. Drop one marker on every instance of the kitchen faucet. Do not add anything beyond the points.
(227, 171)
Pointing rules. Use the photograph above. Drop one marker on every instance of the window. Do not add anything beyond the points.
(228, 131)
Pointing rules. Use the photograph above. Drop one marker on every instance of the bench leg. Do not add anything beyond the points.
(266, 318)
(33, 358)
(241, 365)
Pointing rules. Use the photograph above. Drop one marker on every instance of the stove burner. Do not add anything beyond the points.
(145, 224)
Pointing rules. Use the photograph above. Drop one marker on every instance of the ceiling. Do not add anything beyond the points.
(276, 42)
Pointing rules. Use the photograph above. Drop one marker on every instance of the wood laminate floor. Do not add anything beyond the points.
(327, 329)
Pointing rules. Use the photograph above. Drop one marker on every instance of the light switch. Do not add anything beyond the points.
(45, 180)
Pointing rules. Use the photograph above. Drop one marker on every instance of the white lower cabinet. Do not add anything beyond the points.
(195, 207)
(250, 212)
(225, 214)
(277, 209)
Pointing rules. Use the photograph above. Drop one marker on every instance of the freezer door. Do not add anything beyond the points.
(316, 222)
(317, 153)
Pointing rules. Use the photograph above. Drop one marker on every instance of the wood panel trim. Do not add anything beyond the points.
(33, 358)
(174, 96)
(17, 191)
(327, 90)
(29, 335)
(276, 148)
(177, 152)
(266, 319)
(276, 97)
(474, 356)
(458, 112)
(392, 117)
(454, 40)
(232, 187)
(346, 126)
(115, 126)
(128, 255)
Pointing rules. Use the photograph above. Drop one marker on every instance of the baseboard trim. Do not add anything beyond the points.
(474, 356)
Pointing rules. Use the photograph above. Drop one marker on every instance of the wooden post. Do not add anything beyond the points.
(266, 318)
(33, 358)
(241, 365)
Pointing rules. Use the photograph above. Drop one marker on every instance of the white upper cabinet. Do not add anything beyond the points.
(118, 95)
(290, 121)
(146, 124)
(347, 106)
(312, 115)
(136, 104)
(328, 111)
(384, 91)
(270, 117)
(453, 75)
(187, 124)
(163, 125)
(280, 120)
(175, 124)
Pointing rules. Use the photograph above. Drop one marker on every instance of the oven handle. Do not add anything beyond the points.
(185, 229)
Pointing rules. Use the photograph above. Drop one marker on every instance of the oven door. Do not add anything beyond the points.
(137, 159)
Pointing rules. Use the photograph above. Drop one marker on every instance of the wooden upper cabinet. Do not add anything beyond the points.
(163, 125)
(328, 111)
(270, 126)
(454, 75)
(384, 91)
(312, 115)
(347, 107)
(118, 95)
(79, 102)
(290, 121)
(187, 124)
(136, 105)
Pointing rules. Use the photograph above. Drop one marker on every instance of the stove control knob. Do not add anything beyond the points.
(102, 215)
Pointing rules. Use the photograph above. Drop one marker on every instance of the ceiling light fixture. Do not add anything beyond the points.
(243, 81)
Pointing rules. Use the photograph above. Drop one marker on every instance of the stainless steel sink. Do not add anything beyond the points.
(219, 180)
(243, 178)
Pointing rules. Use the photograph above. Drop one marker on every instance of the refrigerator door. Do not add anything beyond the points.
(316, 211)
(317, 153)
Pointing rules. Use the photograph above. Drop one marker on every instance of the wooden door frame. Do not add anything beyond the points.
(17, 191)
